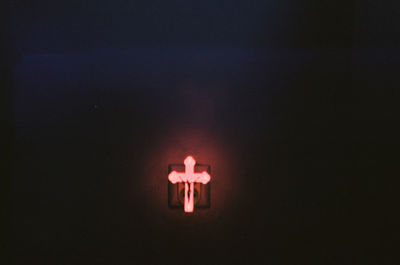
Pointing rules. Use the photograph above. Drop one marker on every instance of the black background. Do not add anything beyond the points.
(294, 104)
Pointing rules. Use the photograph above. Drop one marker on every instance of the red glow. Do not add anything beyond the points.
(189, 177)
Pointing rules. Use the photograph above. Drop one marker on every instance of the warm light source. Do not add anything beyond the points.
(189, 177)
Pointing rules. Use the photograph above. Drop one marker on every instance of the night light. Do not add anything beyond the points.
(189, 178)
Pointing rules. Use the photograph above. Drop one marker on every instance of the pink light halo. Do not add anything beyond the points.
(189, 177)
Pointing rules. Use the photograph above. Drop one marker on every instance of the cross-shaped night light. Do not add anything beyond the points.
(189, 177)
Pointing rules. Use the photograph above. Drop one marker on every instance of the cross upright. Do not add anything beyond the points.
(189, 177)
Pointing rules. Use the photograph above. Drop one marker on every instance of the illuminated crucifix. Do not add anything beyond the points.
(189, 177)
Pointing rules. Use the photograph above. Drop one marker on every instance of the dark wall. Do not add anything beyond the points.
(79, 25)
(293, 104)
(377, 23)
(7, 56)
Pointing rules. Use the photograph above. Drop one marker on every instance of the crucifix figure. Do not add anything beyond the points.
(189, 177)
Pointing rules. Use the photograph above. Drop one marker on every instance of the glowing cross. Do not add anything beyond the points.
(189, 177)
